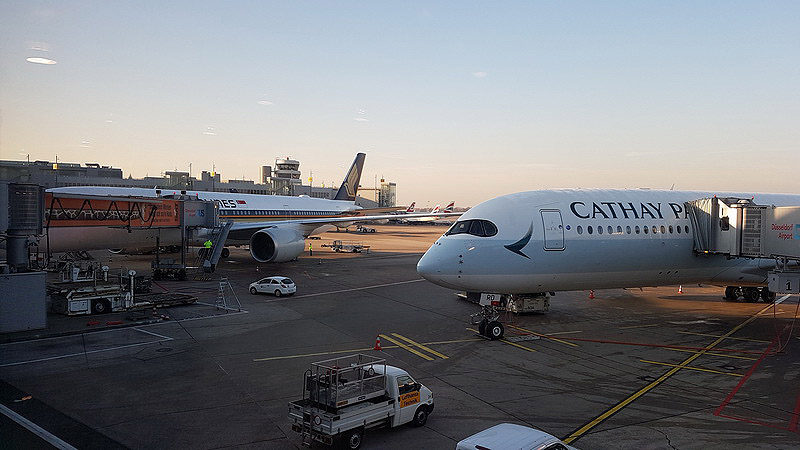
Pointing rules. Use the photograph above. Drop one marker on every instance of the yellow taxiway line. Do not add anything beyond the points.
(544, 336)
(711, 353)
(616, 408)
(508, 342)
(691, 368)
(729, 337)
(418, 345)
(406, 347)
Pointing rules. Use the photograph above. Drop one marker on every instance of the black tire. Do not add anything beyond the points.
(420, 416)
(482, 327)
(352, 439)
(751, 294)
(100, 307)
(277, 292)
(767, 296)
(731, 293)
(225, 253)
(253, 291)
(495, 330)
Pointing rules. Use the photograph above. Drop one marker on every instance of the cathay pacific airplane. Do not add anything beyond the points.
(274, 226)
(560, 240)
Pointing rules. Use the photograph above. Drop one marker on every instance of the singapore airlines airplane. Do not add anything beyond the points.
(274, 226)
(536, 242)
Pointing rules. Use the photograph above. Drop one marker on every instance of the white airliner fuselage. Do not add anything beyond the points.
(558, 240)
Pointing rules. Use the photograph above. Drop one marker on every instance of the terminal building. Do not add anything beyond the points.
(281, 179)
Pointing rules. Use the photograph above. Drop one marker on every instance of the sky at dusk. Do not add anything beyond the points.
(455, 101)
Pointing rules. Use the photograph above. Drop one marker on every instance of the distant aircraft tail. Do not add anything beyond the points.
(449, 207)
(349, 187)
(435, 209)
(410, 209)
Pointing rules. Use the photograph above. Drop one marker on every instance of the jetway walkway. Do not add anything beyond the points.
(739, 228)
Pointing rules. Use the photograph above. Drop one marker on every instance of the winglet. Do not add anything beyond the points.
(349, 186)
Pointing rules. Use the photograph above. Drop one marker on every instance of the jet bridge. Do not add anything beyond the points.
(739, 228)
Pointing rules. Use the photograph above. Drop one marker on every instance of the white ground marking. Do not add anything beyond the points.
(36, 429)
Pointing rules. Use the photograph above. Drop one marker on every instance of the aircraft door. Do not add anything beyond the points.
(553, 229)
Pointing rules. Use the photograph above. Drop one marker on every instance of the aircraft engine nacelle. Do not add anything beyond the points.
(276, 245)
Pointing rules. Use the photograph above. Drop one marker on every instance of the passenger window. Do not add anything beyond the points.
(589, 229)
(663, 230)
(628, 229)
(645, 230)
(619, 229)
(580, 229)
(686, 228)
(670, 229)
(610, 230)
(599, 230)
(637, 229)
(679, 229)
(655, 230)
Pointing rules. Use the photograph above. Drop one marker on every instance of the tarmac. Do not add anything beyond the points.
(640, 368)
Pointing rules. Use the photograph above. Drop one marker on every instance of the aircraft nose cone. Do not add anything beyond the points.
(428, 265)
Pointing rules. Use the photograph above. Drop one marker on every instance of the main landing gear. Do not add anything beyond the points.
(749, 294)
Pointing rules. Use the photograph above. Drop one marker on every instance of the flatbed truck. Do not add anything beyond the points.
(343, 397)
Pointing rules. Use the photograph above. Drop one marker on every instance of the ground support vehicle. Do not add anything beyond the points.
(343, 397)
(276, 285)
(104, 298)
(509, 435)
(349, 247)
(363, 229)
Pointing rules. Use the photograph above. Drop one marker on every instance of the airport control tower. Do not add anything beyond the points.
(285, 176)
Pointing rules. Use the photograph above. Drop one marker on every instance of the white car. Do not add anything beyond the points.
(508, 436)
(274, 285)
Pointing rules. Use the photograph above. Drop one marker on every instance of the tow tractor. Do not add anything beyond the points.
(343, 397)
(348, 247)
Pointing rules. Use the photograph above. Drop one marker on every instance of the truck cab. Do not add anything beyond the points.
(414, 401)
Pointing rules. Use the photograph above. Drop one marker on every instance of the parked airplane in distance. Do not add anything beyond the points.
(435, 214)
(274, 226)
(561, 240)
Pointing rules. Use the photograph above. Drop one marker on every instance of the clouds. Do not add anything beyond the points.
(479, 74)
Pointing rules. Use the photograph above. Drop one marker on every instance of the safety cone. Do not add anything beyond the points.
(680, 289)
(591, 295)
(377, 343)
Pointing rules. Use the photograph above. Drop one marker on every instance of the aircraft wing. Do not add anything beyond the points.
(317, 222)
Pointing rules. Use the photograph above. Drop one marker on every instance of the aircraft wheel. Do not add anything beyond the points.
(731, 293)
(495, 330)
(767, 295)
(482, 327)
(751, 294)
(225, 253)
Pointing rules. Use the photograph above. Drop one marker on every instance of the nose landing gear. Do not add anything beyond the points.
(488, 323)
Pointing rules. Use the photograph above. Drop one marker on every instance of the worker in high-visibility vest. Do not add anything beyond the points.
(207, 248)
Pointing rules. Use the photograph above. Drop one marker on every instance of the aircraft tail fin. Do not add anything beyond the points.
(435, 209)
(349, 187)
(410, 208)
(449, 207)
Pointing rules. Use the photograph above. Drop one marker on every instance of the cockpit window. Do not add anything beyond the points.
(475, 227)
